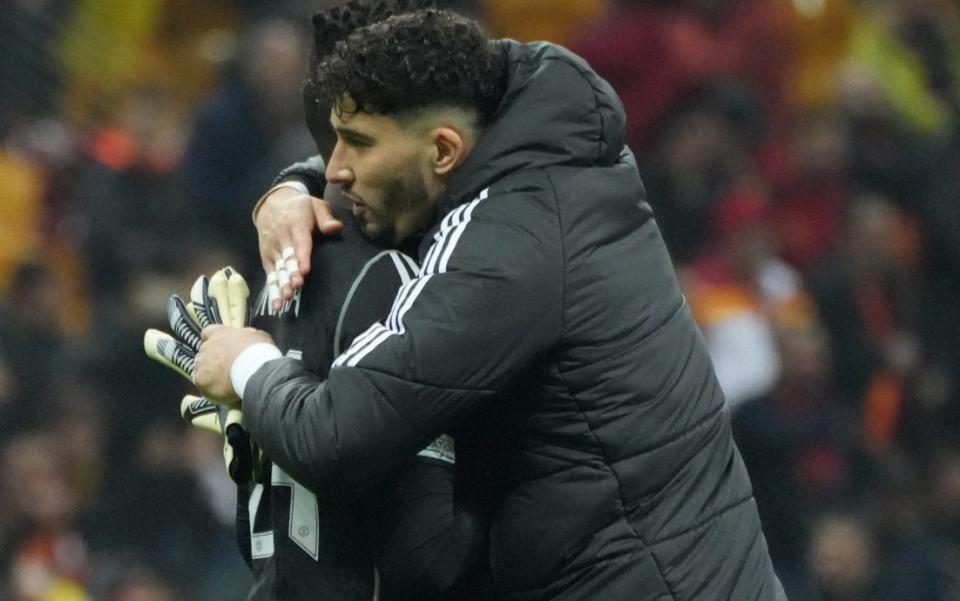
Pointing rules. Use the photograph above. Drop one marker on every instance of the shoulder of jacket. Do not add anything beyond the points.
(524, 199)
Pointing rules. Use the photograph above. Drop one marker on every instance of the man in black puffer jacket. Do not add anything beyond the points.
(546, 327)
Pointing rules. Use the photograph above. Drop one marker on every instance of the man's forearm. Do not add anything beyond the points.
(335, 447)
(311, 173)
(308, 177)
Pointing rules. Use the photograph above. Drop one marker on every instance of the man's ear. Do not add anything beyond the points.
(449, 150)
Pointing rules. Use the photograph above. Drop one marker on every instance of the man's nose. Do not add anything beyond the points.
(338, 172)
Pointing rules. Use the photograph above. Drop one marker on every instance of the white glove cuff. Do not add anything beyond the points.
(248, 362)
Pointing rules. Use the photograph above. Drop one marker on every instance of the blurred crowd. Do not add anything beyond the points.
(802, 157)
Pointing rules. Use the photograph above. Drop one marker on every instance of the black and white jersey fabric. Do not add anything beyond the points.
(305, 543)
(546, 325)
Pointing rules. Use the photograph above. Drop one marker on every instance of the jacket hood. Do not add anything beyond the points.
(556, 111)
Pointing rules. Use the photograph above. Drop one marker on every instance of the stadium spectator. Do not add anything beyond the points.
(801, 444)
(685, 46)
(245, 131)
(911, 53)
(125, 206)
(559, 21)
(867, 295)
(47, 557)
(21, 210)
(143, 586)
(910, 555)
(704, 148)
(28, 74)
(31, 339)
(819, 41)
(811, 181)
(842, 561)
(738, 290)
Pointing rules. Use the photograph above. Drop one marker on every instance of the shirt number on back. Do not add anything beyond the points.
(303, 526)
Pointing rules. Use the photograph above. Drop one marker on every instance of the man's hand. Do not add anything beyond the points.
(285, 222)
(220, 345)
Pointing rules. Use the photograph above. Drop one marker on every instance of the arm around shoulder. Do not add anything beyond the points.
(486, 307)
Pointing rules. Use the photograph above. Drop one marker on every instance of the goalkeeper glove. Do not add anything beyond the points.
(221, 299)
(238, 449)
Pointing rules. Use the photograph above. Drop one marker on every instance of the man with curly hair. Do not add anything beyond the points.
(545, 330)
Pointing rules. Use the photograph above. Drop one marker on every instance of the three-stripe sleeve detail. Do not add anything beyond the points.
(362, 346)
(436, 261)
(446, 239)
(405, 266)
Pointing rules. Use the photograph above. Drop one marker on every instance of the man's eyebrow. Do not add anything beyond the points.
(346, 132)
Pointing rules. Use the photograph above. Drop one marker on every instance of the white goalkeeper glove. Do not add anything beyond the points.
(221, 299)
(238, 450)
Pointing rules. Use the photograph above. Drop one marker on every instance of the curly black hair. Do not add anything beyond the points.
(399, 56)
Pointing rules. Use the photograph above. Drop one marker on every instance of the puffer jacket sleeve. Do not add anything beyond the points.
(486, 305)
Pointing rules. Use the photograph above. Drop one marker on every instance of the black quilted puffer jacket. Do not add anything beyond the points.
(547, 306)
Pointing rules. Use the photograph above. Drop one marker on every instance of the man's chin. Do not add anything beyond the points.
(377, 234)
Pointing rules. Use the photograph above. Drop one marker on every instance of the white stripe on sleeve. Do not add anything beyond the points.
(401, 298)
(358, 343)
(414, 268)
(365, 350)
(436, 261)
(401, 267)
(420, 283)
(455, 236)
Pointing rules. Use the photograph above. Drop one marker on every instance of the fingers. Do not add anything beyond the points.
(207, 368)
(201, 413)
(183, 322)
(211, 331)
(218, 298)
(283, 275)
(302, 249)
(239, 294)
(285, 226)
(273, 290)
(198, 295)
(290, 262)
(167, 350)
(220, 348)
(277, 267)
(326, 222)
(288, 274)
(297, 256)
(283, 279)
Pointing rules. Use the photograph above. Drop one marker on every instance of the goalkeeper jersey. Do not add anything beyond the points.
(402, 538)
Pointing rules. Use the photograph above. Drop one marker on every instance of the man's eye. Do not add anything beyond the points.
(357, 143)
